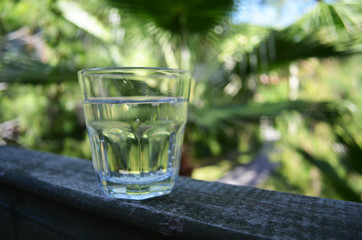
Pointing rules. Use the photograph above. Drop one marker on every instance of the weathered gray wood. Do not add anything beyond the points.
(47, 196)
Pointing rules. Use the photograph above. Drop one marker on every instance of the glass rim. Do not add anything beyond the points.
(108, 70)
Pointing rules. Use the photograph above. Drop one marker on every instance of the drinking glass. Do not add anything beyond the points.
(135, 119)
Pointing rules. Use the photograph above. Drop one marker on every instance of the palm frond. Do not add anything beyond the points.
(339, 184)
(23, 60)
(75, 14)
(178, 16)
(351, 152)
(329, 30)
(25, 69)
(215, 116)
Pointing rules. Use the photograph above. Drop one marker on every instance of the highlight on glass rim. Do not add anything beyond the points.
(275, 90)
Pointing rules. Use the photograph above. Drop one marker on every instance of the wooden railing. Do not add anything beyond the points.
(47, 196)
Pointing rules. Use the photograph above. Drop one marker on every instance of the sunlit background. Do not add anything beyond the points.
(277, 90)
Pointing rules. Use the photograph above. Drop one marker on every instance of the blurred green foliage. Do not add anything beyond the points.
(242, 75)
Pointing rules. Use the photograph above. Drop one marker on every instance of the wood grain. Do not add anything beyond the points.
(48, 196)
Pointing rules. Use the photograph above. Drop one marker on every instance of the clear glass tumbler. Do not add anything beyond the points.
(135, 120)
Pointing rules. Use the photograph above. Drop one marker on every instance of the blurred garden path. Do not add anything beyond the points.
(254, 173)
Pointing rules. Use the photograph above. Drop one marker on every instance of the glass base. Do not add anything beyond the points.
(137, 191)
